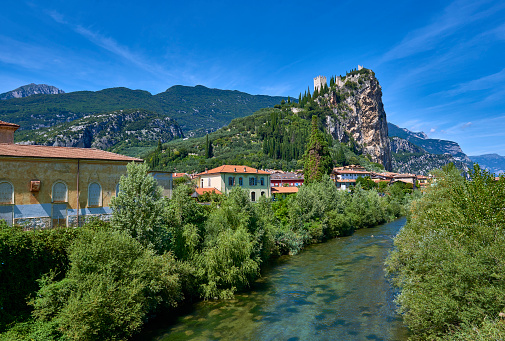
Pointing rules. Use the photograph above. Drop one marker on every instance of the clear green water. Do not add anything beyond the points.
(331, 291)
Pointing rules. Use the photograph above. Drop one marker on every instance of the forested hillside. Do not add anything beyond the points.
(197, 109)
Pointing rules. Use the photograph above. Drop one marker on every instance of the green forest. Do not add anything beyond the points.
(449, 260)
(105, 280)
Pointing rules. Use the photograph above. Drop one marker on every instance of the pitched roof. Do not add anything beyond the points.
(201, 191)
(284, 190)
(7, 124)
(19, 150)
(348, 171)
(234, 169)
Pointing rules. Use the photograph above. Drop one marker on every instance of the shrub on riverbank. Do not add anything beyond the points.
(450, 261)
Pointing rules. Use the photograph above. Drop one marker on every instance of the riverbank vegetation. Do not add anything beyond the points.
(449, 259)
(105, 280)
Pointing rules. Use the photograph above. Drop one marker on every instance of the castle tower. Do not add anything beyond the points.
(360, 67)
(319, 82)
(338, 81)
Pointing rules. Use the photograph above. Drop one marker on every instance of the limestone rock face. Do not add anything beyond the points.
(358, 115)
(399, 145)
(31, 89)
(109, 131)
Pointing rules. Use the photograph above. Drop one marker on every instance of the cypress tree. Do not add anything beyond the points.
(317, 159)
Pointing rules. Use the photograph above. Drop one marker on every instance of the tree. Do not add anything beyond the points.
(317, 155)
(340, 158)
(138, 207)
(209, 149)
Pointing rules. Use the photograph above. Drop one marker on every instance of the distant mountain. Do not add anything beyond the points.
(414, 152)
(492, 162)
(124, 131)
(31, 89)
(433, 146)
(197, 109)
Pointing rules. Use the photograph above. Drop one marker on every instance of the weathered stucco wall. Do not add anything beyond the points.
(36, 209)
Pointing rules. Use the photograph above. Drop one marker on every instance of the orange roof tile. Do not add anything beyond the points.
(201, 191)
(284, 190)
(234, 169)
(19, 150)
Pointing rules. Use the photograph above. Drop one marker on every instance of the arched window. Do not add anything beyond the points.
(253, 196)
(253, 181)
(60, 192)
(240, 181)
(262, 181)
(262, 194)
(94, 194)
(6, 202)
(202, 183)
(6, 193)
(231, 180)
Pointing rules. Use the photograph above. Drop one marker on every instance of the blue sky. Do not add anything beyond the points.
(441, 64)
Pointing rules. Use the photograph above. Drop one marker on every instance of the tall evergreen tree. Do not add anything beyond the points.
(317, 159)
(340, 159)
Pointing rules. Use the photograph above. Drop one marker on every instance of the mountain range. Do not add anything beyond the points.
(198, 109)
(107, 118)
(492, 162)
(31, 89)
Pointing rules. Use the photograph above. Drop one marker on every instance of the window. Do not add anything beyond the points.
(202, 183)
(231, 180)
(253, 181)
(59, 215)
(253, 196)
(262, 194)
(117, 190)
(94, 194)
(59, 192)
(6, 193)
(240, 181)
(7, 199)
(262, 181)
(208, 182)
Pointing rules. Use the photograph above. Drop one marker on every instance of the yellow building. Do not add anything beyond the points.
(224, 178)
(43, 186)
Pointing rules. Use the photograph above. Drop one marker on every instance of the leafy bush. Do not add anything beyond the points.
(111, 287)
(25, 256)
(449, 259)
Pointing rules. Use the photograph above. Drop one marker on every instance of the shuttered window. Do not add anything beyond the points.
(59, 192)
(94, 194)
(6, 193)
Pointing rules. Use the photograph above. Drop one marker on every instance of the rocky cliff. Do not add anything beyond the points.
(399, 145)
(357, 115)
(113, 131)
(31, 89)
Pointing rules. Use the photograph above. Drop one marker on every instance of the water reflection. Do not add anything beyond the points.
(331, 291)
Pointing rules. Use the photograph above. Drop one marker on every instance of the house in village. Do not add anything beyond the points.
(226, 177)
(280, 179)
(42, 186)
(345, 177)
(282, 192)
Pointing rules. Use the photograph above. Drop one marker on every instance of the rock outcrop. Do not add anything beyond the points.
(108, 131)
(357, 115)
(31, 89)
(399, 145)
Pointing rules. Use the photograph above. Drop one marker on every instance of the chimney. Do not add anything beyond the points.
(245, 170)
(235, 169)
(206, 170)
(7, 132)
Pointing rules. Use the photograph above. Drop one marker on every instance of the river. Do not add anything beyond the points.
(330, 291)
